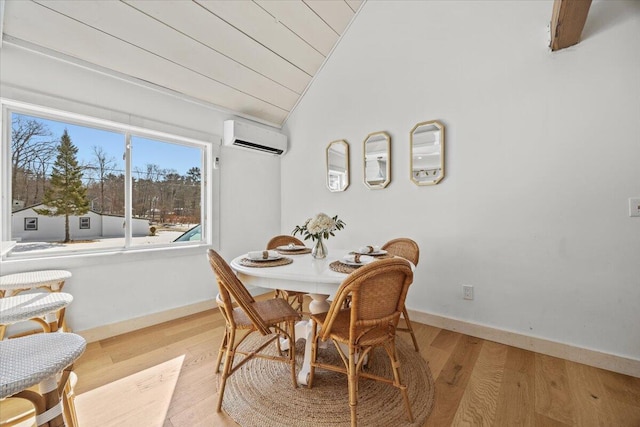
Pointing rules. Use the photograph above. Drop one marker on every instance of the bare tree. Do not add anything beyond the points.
(29, 136)
(194, 176)
(145, 191)
(40, 165)
(103, 164)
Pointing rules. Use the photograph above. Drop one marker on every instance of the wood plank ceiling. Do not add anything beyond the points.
(255, 58)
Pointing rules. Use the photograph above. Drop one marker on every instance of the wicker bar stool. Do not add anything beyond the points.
(39, 359)
(409, 250)
(16, 412)
(49, 280)
(34, 307)
(52, 280)
(295, 299)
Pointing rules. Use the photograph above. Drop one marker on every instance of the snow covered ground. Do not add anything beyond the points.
(162, 237)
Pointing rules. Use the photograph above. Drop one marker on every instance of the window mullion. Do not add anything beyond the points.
(128, 191)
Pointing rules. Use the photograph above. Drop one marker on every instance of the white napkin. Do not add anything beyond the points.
(358, 259)
(263, 254)
(368, 249)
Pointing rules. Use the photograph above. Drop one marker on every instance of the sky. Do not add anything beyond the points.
(144, 151)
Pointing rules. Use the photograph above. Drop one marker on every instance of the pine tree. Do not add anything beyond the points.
(66, 194)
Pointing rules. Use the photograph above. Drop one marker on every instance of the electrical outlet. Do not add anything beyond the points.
(634, 206)
(467, 291)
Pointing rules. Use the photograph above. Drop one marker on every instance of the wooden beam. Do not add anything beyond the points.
(567, 22)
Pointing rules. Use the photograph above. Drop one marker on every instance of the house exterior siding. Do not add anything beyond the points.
(52, 227)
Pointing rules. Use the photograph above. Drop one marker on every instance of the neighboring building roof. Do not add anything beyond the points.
(90, 210)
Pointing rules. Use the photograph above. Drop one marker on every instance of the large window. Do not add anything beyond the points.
(80, 184)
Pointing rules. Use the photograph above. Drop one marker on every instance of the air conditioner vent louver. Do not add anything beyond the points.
(250, 136)
(253, 146)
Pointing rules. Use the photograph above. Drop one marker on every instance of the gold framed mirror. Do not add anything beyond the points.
(427, 153)
(377, 160)
(338, 165)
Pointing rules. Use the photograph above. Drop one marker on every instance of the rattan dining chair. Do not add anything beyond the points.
(377, 292)
(407, 249)
(295, 299)
(271, 316)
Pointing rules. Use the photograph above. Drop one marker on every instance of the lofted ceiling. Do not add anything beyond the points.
(254, 58)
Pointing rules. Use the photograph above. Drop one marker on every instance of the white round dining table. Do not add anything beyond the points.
(305, 274)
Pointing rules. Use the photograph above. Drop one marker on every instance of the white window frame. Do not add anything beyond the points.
(206, 167)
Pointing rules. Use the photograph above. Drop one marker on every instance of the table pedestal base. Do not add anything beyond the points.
(318, 304)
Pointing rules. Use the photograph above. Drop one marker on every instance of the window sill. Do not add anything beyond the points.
(5, 247)
(84, 259)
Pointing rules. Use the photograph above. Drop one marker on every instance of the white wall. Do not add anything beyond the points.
(542, 153)
(112, 226)
(122, 286)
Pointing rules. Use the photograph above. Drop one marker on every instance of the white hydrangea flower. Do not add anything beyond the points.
(319, 226)
(321, 223)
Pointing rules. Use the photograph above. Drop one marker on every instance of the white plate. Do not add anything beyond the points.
(291, 248)
(380, 252)
(271, 258)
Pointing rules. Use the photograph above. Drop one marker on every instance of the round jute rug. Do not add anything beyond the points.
(261, 394)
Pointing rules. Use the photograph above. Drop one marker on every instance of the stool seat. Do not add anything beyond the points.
(26, 306)
(53, 279)
(27, 361)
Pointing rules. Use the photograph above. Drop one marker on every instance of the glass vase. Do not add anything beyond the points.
(319, 250)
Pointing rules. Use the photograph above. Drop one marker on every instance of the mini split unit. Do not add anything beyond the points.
(253, 137)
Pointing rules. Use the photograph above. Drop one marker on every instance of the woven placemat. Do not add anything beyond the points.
(343, 268)
(295, 252)
(260, 393)
(259, 264)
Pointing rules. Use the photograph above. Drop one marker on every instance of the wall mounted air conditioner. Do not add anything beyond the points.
(250, 136)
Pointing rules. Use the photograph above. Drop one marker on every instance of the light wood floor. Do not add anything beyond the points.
(163, 376)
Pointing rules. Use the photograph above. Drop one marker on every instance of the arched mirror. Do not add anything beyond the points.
(377, 160)
(338, 165)
(427, 153)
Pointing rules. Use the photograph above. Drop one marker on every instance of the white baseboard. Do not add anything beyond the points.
(586, 356)
(589, 357)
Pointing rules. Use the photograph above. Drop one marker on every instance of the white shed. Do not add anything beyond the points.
(27, 225)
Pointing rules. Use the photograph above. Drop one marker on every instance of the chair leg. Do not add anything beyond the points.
(292, 351)
(223, 346)
(228, 362)
(352, 377)
(314, 353)
(410, 328)
(390, 348)
(68, 401)
(300, 307)
(280, 334)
